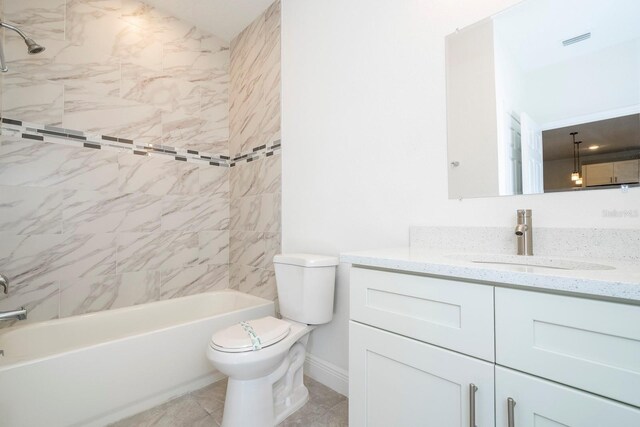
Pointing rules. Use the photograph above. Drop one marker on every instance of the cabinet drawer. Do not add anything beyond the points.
(397, 381)
(447, 313)
(542, 403)
(591, 345)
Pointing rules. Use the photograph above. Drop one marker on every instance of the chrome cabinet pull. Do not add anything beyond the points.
(472, 405)
(511, 422)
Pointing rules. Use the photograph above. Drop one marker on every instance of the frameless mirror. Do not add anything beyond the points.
(545, 97)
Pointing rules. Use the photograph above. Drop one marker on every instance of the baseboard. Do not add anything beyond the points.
(327, 373)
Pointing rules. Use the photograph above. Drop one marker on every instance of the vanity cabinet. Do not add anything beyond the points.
(623, 172)
(420, 345)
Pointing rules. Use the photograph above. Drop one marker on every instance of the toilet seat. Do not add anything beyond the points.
(251, 335)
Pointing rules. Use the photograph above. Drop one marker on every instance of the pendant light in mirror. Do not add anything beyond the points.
(575, 175)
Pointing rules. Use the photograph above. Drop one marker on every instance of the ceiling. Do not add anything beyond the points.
(532, 31)
(612, 135)
(223, 18)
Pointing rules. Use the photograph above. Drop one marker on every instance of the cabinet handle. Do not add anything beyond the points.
(615, 179)
(472, 405)
(511, 422)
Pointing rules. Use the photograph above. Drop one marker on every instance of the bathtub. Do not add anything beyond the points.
(97, 368)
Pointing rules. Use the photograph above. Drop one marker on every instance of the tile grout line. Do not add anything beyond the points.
(75, 138)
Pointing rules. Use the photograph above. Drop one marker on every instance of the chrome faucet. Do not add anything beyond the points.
(19, 314)
(524, 234)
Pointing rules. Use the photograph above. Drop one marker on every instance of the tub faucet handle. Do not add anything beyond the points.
(4, 282)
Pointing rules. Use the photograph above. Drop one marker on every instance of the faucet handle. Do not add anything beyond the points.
(4, 282)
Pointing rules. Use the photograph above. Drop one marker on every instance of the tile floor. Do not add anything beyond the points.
(203, 407)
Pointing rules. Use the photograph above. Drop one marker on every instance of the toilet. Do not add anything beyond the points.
(264, 358)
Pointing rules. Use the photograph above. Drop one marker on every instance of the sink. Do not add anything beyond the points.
(530, 261)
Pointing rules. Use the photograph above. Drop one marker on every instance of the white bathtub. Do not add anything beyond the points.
(97, 368)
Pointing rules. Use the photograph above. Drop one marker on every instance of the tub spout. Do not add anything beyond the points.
(20, 314)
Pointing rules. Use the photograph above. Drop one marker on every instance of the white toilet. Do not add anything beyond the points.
(264, 357)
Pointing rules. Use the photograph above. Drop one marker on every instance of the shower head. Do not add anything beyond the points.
(33, 47)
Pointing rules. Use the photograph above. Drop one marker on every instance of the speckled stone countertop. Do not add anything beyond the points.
(596, 278)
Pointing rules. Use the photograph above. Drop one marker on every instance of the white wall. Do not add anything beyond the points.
(364, 137)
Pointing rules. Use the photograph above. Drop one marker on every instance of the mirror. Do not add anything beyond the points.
(526, 82)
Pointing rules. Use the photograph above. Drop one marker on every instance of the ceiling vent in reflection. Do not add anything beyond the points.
(576, 39)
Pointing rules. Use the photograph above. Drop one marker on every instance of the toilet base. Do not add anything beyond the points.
(289, 392)
(267, 401)
(298, 399)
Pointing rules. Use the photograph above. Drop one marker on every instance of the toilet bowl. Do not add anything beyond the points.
(259, 393)
(264, 358)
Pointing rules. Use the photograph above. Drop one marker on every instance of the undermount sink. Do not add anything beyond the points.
(530, 261)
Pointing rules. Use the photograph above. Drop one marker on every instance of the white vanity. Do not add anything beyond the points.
(440, 340)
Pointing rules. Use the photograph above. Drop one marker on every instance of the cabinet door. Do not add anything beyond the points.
(626, 172)
(397, 381)
(543, 403)
(599, 174)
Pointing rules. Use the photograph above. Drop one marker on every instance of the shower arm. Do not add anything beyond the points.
(32, 46)
(16, 29)
(3, 64)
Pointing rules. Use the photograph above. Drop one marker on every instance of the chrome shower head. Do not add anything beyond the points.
(33, 47)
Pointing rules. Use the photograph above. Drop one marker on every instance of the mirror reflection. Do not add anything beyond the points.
(523, 84)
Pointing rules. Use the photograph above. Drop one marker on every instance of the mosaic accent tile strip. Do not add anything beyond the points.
(56, 135)
(256, 153)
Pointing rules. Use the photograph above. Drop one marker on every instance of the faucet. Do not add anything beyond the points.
(20, 314)
(524, 230)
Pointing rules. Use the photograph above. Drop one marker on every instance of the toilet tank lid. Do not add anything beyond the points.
(306, 260)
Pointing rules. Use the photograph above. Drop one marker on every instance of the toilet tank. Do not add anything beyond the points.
(306, 284)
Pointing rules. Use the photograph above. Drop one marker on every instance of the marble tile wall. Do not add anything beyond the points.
(254, 94)
(254, 120)
(1, 74)
(86, 230)
(81, 229)
(255, 226)
(118, 67)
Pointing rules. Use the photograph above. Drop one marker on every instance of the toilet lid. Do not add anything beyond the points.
(251, 335)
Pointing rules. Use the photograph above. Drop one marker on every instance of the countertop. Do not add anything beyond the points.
(620, 282)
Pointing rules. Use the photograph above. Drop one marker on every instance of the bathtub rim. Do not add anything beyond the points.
(21, 362)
